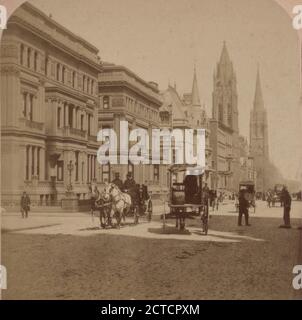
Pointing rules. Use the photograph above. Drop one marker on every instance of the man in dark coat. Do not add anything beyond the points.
(117, 181)
(25, 205)
(243, 208)
(129, 183)
(287, 200)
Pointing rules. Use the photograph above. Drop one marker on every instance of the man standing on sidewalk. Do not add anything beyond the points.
(287, 200)
(25, 205)
(243, 208)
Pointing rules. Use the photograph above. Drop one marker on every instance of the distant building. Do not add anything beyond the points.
(224, 125)
(49, 103)
(125, 96)
(188, 113)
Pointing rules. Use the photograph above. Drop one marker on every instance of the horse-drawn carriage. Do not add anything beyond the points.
(186, 195)
(114, 203)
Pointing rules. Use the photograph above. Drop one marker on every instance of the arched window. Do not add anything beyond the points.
(106, 102)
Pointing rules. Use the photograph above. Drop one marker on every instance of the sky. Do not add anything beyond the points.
(161, 40)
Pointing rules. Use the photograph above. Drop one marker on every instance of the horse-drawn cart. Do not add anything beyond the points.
(186, 195)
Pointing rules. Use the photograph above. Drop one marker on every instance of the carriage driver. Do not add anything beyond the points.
(117, 181)
(130, 186)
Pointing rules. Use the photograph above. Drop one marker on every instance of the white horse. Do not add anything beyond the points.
(121, 202)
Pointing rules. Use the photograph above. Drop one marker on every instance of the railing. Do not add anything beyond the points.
(73, 132)
(92, 138)
(32, 124)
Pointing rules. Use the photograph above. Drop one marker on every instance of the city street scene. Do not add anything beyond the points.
(211, 208)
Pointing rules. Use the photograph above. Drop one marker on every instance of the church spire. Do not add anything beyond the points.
(195, 93)
(224, 58)
(258, 99)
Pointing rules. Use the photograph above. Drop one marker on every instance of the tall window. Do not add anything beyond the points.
(73, 78)
(38, 162)
(92, 87)
(36, 61)
(32, 162)
(59, 117)
(88, 129)
(31, 107)
(84, 83)
(82, 171)
(77, 166)
(21, 54)
(106, 102)
(24, 104)
(63, 74)
(220, 112)
(82, 122)
(46, 66)
(156, 172)
(27, 163)
(28, 57)
(58, 71)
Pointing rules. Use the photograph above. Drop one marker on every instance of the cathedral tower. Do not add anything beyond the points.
(259, 137)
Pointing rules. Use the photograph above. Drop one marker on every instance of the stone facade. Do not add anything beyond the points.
(49, 104)
(125, 96)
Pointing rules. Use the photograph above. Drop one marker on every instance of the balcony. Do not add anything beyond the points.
(74, 133)
(32, 126)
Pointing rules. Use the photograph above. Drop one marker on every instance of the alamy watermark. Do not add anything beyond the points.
(3, 278)
(297, 281)
(166, 146)
(3, 17)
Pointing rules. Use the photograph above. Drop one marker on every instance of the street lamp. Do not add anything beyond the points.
(70, 168)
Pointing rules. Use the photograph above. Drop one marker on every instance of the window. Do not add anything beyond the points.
(59, 118)
(84, 83)
(106, 173)
(46, 66)
(88, 85)
(28, 57)
(32, 162)
(21, 54)
(156, 172)
(82, 122)
(36, 61)
(82, 171)
(73, 78)
(24, 104)
(220, 112)
(92, 87)
(77, 166)
(63, 74)
(58, 72)
(106, 102)
(31, 107)
(60, 170)
(27, 163)
(38, 162)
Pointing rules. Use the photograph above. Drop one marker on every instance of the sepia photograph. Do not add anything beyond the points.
(151, 150)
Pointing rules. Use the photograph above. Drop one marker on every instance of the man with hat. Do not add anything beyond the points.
(117, 181)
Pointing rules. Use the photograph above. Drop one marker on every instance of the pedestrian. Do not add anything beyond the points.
(243, 208)
(287, 200)
(25, 205)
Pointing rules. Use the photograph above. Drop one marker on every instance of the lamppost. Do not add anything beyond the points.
(70, 168)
